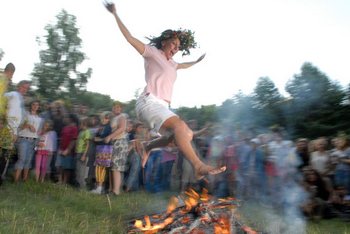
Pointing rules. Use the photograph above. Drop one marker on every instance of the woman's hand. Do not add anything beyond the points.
(83, 158)
(65, 152)
(31, 127)
(200, 58)
(107, 139)
(110, 7)
(98, 139)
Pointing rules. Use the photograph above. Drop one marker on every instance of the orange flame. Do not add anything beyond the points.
(149, 228)
(172, 204)
(223, 226)
(205, 196)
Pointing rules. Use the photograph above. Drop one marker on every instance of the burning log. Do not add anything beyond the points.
(200, 213)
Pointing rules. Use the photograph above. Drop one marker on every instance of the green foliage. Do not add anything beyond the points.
(238, 112)
(57, 75)
(265, 93)
(95, 101)
(203, 114)
(1, 54)
(129, 108)
(267, 100)
(315, 105)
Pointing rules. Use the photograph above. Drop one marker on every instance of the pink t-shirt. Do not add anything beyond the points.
(160, 73)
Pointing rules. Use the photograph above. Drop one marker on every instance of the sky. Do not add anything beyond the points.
(243, 40)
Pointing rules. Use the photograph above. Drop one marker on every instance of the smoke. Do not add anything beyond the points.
(271, 201)
(278, 216)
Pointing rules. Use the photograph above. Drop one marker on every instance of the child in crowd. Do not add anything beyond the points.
(65, 159)
(137, 134)
(94, 125)
(81, 150)
(103, 152)
(45, 149)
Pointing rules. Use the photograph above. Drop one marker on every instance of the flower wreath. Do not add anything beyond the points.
(185, 36)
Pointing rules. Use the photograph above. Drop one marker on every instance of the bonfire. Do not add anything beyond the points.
(194, 213)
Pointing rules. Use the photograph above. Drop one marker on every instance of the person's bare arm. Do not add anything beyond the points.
(118, 130)
(190, 64)
(137, 44)
(69, 148)
(204, 130)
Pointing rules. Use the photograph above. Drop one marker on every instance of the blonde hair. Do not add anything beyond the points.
(106, 114)
(85, 122)
(118, 103)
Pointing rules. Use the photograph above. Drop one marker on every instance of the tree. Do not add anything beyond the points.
(1, 54)
(203, 115)
(238, 112)
(267, 103)
(57, 75)
(266, 93)
(95, 101)
(316, 103)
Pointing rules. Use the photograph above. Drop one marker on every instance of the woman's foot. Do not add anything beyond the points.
(203, 170)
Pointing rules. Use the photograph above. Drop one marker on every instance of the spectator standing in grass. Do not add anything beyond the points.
(103, 160)
(27, 139)
(320, 158)
(118, 138)
(81, 149)
(65, 160)
(46, 147)
(342, 169)
(7, 136)
(15, 106)
(136, 136)
(302, 153)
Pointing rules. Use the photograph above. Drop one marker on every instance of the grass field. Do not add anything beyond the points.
(49, 208)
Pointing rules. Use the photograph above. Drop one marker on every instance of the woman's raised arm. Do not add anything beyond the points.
(137, 44)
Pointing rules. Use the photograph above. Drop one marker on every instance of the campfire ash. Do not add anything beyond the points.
(198, 213)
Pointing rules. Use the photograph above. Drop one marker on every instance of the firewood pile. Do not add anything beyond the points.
(193, 213)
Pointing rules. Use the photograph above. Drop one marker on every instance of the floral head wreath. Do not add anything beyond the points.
(185, 36)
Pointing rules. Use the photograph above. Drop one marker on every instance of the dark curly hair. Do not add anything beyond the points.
(185, 36)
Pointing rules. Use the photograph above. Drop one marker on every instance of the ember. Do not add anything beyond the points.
(201, 213)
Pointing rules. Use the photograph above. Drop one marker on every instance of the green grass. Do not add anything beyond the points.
(48, 208)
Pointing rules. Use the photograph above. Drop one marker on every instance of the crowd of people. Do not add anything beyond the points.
(103, 154)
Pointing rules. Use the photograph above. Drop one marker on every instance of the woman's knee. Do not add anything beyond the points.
(178, 126)
(182, 126)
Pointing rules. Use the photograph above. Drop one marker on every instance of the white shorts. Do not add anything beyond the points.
(153, 111)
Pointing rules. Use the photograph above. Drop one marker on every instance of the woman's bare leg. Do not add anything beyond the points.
(183, 137)
(117, 181)
(162, 141)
